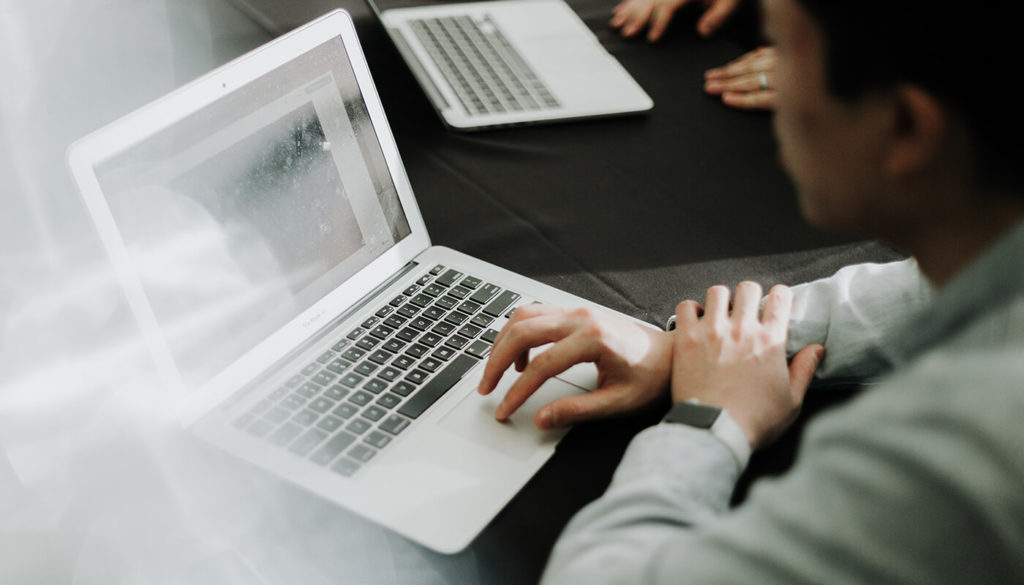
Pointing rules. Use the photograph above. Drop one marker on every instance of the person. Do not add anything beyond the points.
(917, 479)
(744, 83)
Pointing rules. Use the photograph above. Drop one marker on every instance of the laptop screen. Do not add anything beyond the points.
(245, 213)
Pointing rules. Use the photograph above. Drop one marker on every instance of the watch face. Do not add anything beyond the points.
(701, 416)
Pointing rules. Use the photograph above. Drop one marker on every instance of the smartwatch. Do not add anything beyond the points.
(716, 421)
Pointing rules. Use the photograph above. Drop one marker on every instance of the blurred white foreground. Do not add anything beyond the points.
(98, 485)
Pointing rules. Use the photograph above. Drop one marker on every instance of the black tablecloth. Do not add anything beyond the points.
(636, 213)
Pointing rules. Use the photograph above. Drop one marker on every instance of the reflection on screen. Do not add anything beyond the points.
(243, 215)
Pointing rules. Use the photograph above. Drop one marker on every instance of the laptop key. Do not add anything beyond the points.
(308, 390)
(501, 303)
(449, 278)
(482, 320)
(366, 368)
(368, 343)
(362, 453)
(353, 354)
(345, 410)
(358, 426)
(285, 433)
(389, 400)
(375, 386)
(330, 423)
(323, 378)
(304, 444)
(336, 392)
(345, 467)
(361, 398)
(485, 293)
(403, 388)
(401, 362)
(351, 380)
(339, 366)
(333, 448)
(395, 321)
(305, 417)
(479, 348)
(377, 439)
(277, 415)
(437, 387)
(416, 376)
(321, 405)
(374, 413)
(394, 424)
(379, 357)
(293, 402)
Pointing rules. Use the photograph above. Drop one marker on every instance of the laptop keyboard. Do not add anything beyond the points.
(356, 397)
(487, 74)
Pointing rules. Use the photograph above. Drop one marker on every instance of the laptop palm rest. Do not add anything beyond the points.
(518, 437)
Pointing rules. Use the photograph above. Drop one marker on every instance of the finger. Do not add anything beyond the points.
(660, 18)
(755, 100)
(637, 19)
(802, 368)
(620, 14)
(748, 63)
(514, 345)
(555, 360)
(715, 16)
(747, 82)
(716, 305)
(777, 307)
(570, 410)
(688, 313)
(524, 312)
(746, 301)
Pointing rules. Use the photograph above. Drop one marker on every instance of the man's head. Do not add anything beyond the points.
(883, 115)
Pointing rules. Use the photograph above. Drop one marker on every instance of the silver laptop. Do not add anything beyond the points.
(508, 62)
(271, 249)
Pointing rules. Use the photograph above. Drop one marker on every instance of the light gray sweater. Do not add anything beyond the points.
(920, 479)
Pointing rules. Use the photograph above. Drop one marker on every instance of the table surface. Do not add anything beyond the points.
(635, 213)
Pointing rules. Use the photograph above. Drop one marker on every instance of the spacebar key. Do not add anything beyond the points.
(437, 387)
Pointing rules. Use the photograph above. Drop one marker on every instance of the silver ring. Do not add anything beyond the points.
(762, 80)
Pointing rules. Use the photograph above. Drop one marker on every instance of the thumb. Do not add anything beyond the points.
(569, 410)
(802, 368)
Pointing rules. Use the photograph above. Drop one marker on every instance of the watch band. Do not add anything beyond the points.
(716, 421)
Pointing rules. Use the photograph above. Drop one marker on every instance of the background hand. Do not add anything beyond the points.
(632, 360)
(747, 82)
(736, 360)
(631, 16)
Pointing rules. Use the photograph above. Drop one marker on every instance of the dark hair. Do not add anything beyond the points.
(964, 54)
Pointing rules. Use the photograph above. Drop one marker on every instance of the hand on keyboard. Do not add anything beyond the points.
(634, 362)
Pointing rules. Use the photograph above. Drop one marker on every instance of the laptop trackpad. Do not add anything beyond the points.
(518, 437)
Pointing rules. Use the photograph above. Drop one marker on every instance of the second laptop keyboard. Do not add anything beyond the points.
(486, 72)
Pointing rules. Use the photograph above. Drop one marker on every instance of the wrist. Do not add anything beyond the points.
(714, 420)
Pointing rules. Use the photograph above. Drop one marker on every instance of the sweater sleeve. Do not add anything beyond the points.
(853, 313)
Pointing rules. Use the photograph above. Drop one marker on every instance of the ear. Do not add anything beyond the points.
(919, 133)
